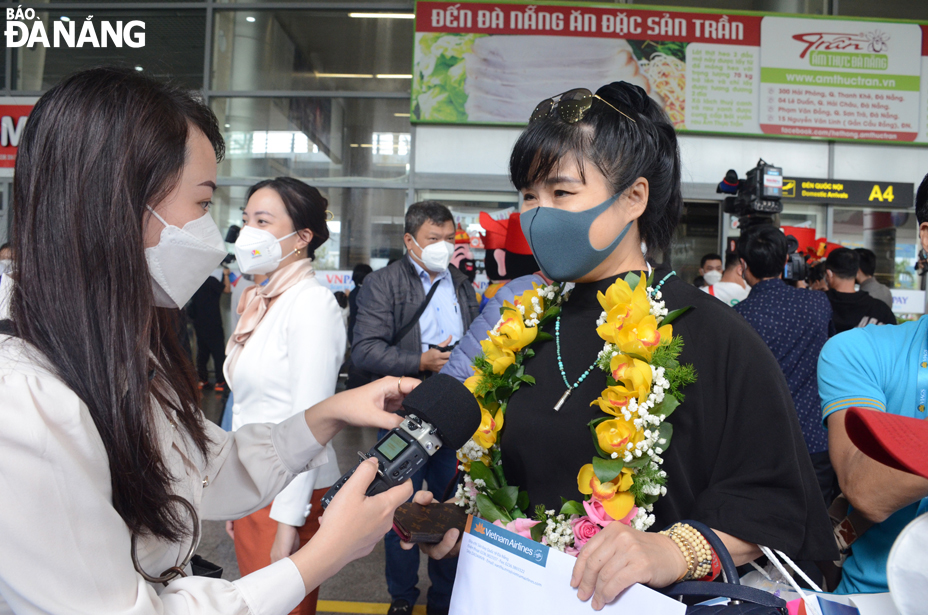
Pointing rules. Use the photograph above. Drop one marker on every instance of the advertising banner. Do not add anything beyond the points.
(14, 113)
(736, 73)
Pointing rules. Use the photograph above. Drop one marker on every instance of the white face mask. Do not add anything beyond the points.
(437, 256)
(258, 251)
(5, 265)
(712, 277)
(183, 259)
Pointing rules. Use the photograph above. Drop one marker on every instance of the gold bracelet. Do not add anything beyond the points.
(695, 549)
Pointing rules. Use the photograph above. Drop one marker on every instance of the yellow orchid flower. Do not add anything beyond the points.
(489, 428)
(624, 315)
(615, 434)
(513, 334)
(621, 293)
(499, 358)
(643, 338)
(614, 495)
(634, 374)
(613, 400)
(473, 382)
(525, 299)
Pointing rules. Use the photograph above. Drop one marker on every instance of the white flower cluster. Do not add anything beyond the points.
(559, 534)
(658, 309)
(643, 519)
(471, 451)
(466, 494)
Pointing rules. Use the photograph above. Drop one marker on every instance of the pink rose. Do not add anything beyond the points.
(584, 529)
(595, 511)
(522, 527)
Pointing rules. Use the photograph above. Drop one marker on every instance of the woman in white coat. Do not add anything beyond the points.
(284, 355)
(107, 464)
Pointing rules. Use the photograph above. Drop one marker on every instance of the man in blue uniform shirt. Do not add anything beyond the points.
(883, 368)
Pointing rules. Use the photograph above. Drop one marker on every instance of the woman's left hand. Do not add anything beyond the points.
(619, 556)
(286, 542)
(372, 405)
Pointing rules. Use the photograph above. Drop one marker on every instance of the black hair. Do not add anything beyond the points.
(763, 248)
(622, 150)
(341, 298)
(100, 147)
(921, 201)
(709, 257)
(867, 261)
(305, 205)
(432, 211)
(360, 272)
(817, 272)
(844, 263)
(732, 259)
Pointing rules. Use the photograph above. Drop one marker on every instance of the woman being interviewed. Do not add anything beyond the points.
(107, 465)
(600, 179)
(283, 356)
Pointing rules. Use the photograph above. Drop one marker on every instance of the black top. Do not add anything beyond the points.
(204, 309)
(852, 310)
(737, 461)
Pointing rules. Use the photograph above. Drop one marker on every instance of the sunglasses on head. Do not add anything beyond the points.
(571, 106)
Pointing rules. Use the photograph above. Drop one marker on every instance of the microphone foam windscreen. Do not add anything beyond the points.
(448, 406)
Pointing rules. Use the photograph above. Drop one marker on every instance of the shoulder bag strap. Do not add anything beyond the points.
(415, 317)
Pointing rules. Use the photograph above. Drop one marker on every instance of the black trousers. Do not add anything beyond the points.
(210, 343)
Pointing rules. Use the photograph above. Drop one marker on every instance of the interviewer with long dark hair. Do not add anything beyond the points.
(106, 463)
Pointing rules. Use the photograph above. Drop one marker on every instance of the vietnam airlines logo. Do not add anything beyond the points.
(480, 529)
(255, 253)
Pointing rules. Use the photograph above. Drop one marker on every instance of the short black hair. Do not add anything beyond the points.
(360, 272)
(921, 201)
(341, 298)
(817, 272)
(709, 257)
(867, 261)
(732, 259)
(433, 211)
(305, 205)
(764, 249)
(622, 149)
(844, 263)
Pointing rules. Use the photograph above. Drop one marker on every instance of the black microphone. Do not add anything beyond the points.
(439, 412)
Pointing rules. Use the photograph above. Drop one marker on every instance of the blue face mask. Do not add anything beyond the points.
(560, 240)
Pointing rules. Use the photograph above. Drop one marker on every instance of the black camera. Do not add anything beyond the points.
(439, 412)
(796, 268)
(758, 195)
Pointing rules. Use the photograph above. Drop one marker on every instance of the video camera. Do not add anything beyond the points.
(758, 195)
(796, 268)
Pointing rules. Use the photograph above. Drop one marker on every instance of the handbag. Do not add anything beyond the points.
(358, 377)
(743, 600)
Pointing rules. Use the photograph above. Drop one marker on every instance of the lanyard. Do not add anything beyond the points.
(921, 400)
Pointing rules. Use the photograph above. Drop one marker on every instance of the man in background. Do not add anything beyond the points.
(795, 324)
(358, 274)
(731, 288)
(410, 315)
(710, 264)
(852, 308)
(867, 282)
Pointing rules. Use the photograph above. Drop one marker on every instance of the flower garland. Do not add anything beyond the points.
(644, 382)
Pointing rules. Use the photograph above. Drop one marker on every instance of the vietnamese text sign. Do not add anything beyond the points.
(500, 572)
(491, 63)
(897, 195)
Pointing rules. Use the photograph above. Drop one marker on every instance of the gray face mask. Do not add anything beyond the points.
(560, 240)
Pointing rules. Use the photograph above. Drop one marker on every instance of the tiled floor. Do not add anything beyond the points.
(361, 581)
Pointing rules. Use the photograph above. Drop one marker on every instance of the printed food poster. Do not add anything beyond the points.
(753, 74)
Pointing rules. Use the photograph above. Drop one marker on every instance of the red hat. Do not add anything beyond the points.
(504, 234)
(461, 236)
(898, 441)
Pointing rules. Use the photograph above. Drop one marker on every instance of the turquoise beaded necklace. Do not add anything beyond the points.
(560, 361)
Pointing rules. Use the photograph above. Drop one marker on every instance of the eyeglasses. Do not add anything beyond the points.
(571, 106)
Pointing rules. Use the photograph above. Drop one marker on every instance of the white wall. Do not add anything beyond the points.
(483, 150)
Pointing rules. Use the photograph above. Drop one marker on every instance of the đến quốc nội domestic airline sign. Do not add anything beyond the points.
(491, 63)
